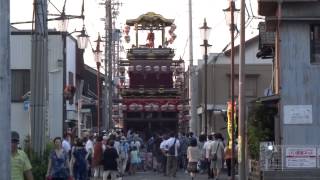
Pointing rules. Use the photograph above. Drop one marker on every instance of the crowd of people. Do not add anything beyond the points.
(114, 155)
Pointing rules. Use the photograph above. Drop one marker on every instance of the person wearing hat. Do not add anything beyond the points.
(20, 164)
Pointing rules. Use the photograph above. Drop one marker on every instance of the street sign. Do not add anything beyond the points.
(26, 105)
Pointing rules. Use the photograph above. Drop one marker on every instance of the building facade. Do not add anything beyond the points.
(61, 73)
(258, 76)
(297, 66)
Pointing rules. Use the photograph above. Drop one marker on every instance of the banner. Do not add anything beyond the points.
(229, 123)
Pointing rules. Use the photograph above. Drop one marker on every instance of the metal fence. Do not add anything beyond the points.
(285, 157)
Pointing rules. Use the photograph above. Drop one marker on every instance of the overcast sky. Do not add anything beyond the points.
(130, 9)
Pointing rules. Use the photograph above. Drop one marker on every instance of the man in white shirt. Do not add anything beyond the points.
(207, 149)
(173, 145)
(90, 152)
(66, 143)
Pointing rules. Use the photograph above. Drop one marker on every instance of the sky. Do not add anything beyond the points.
(130, 9)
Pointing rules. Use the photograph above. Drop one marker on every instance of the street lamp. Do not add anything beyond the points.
(205, 32)
(97, 57)
(230, 14)
(83, 39)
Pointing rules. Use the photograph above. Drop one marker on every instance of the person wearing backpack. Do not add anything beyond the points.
(172, 155)
(79, 163)
(216, 155)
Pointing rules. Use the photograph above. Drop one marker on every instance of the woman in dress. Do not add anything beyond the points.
(58, 165)
(193, 155)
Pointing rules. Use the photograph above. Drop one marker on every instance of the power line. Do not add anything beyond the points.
(54, 6)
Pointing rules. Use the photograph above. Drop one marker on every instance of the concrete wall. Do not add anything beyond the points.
(299, 82)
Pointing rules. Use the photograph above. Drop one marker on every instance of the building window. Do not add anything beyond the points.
(20, 84)
(315, 44)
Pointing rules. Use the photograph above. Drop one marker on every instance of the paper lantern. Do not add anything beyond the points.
(147, 68)
(138, 67)
(164, 68)
(180, 107)
(132, 106)
(156, 68)
(147, 107)
(155, 107)
(164, 107)
(171, 107)
(139, 107)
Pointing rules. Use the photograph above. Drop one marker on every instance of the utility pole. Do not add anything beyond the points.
(192, 94)
(108, 66)
(39, 76)
(232, 27)
(242, 100)
(5, 93)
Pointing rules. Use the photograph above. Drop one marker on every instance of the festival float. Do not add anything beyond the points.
(153, 93)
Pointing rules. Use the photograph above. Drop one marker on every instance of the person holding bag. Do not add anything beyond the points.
(216, 155)
(193, 156)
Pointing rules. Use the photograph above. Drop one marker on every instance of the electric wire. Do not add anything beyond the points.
(54, 6)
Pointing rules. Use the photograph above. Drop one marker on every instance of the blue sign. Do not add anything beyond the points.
(26, 105)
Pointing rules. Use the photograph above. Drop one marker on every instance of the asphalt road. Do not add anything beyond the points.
(148, 175)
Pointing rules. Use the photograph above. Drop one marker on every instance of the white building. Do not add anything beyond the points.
(61, 72)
